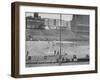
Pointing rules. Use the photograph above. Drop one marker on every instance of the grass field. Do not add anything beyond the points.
(39, 49)
(42, 48)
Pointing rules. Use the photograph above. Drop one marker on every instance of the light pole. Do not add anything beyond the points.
(60, 43)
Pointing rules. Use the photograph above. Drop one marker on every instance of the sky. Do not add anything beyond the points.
(67, 17)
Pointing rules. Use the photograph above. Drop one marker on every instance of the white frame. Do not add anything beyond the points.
(70, 68)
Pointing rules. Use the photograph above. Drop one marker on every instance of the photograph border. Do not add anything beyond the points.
(15, 32)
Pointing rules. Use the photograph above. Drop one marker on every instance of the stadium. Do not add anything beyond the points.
(54, 41)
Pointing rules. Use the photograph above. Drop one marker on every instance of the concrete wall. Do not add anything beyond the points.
(80, 23)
